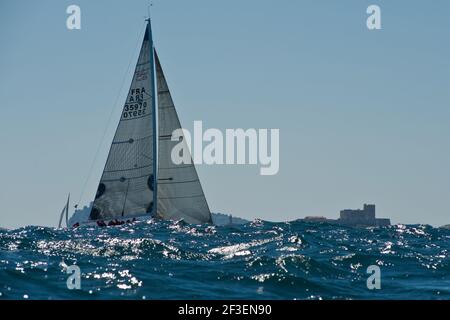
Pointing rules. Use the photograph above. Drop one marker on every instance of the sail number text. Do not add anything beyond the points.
(135, 106)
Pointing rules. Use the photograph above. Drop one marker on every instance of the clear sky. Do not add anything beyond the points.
(364, 116)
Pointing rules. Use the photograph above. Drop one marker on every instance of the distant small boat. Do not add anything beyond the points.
(64, 212)
(139, 179)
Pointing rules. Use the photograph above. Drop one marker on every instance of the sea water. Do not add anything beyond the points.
(259, 260)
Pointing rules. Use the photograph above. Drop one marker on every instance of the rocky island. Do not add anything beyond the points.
(354, 217)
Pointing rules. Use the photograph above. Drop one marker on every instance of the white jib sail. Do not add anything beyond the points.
(180, 194)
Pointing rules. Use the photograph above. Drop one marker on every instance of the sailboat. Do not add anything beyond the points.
(64, 212)
(139, 179)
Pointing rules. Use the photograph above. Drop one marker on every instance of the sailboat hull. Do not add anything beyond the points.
(81, 218)
(112, 223)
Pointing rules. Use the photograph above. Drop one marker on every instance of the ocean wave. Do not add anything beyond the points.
(259, 260)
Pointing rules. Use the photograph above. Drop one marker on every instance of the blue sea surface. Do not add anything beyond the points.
(259, 260)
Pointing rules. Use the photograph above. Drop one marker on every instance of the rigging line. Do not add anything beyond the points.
(83, 190)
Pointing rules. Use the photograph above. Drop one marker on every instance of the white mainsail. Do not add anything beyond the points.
(180, 194)
(127, 186)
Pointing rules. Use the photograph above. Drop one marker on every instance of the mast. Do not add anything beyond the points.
(155, 129)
